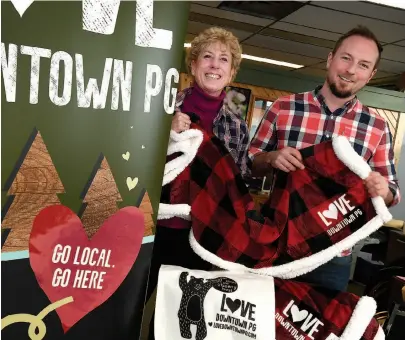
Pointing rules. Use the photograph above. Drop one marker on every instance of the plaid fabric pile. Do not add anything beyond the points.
(312, 215)
(303, 312)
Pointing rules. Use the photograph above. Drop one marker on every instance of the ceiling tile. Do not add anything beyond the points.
(219, 13)
(271, 10)
(298, 37)
(288, 46)
(321, 65)
(214, 21)
(207, 3)
(393, 52)
(264, 65)
(391, 66)
(197, 27)
(366, 9)
(334, 21)
(401, 43)
(312, 32)
(277, 55)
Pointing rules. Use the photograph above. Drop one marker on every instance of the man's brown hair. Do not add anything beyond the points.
(364, 32)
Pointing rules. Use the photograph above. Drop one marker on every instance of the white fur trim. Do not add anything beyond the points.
(345, 152)
(174, 210)
(186, 142)
(358, 165)
(361, 317)
(297, 267)
(380, 334)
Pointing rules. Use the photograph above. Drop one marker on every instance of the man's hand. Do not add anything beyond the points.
(377, 185)
(180, 122)
(287, 159)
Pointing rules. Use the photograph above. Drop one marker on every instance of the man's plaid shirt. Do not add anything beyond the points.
(301, 120)
(230, 128)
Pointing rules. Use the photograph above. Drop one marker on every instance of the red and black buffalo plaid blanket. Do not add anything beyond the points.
(312, 215)
(303, 312)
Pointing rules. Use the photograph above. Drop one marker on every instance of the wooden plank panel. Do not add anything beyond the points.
(392, 121)
(392, 115)
(391, 125)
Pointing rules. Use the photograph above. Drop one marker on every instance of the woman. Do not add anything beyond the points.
(213, 60)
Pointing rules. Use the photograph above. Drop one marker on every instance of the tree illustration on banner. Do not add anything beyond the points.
(33, 185)
(146, 208)
(100, 197)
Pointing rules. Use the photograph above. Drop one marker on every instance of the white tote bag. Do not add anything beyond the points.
(194, 304)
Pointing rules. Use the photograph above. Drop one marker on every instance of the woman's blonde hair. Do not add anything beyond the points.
(212, 35)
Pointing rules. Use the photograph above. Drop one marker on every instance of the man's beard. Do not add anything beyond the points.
(336, 92)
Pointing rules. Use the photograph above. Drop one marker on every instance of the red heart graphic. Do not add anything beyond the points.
(112, 251)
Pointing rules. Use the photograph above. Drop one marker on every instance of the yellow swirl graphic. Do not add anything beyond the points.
(37, 328)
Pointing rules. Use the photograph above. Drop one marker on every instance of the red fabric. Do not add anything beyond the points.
(207, 108)
(178, 192)
(333, 309)
(224, 220)
(204, 105)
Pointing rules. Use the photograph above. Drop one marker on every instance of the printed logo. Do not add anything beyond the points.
(191, 311)
(236, 315)
(342, 206)
(303, 321)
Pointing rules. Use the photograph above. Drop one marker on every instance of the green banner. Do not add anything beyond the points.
(88, 88)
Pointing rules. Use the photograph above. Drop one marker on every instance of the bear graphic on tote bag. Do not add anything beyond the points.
(213, 305)
(191, 309)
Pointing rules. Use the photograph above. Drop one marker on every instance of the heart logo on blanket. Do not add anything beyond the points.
(233, 304)
(67, 264)
(332, 212)
(298, 315)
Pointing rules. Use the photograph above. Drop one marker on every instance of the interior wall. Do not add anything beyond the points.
(398, 212)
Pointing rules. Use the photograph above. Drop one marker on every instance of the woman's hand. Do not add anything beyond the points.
(181, 122)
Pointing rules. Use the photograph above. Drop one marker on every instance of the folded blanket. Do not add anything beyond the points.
(312, 215)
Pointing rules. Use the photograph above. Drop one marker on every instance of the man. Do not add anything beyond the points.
(305, 119)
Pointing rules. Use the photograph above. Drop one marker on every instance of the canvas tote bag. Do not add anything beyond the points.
(195, 304)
